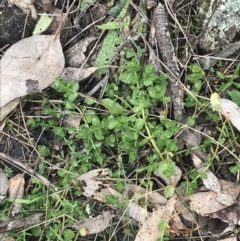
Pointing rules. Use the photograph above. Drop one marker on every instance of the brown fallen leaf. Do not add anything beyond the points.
(29, 66)
(16, 190)
(149, 230)
(93, 225)
(4, 184)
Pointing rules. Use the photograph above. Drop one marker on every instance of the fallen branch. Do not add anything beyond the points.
(168, 58)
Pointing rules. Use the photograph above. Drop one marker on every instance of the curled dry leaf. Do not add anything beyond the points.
(230, 111)
(29, 66)
(149, 230)
(16, 190)
(4, 184)
(93, 225)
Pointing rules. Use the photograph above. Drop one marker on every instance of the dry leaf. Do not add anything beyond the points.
(29, 66)
(4, 184)
(177, 226)
(230, 111)
(78, 74)
(92, 181)
(16, 190)
(26, 6)
(75, 56)
(149, 230)
(93, 225)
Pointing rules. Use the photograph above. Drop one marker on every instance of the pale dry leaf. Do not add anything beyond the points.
(94, 225)
(231, 111)
(26, 6)
(78, 74)
(174, 179)
(6, 109)
(133, 210)
(29, 66)
(16, 190)
(230, 188)
(149, 230)
(75, 56)
(4, 184)
(92, 181)
(142, 195)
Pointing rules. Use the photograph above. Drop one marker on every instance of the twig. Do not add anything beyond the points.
(168, 58)
(27, 169)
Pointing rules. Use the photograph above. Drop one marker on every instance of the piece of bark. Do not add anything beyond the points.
(168, 58)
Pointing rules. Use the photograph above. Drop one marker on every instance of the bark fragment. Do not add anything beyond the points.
(168, 58)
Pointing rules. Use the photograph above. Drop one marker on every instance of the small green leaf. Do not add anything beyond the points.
(139, 124)
(168, 191)
(43, 24)
(72, 97)
(75, 86)
(190, 121)
(112, 106)
(109, 25)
